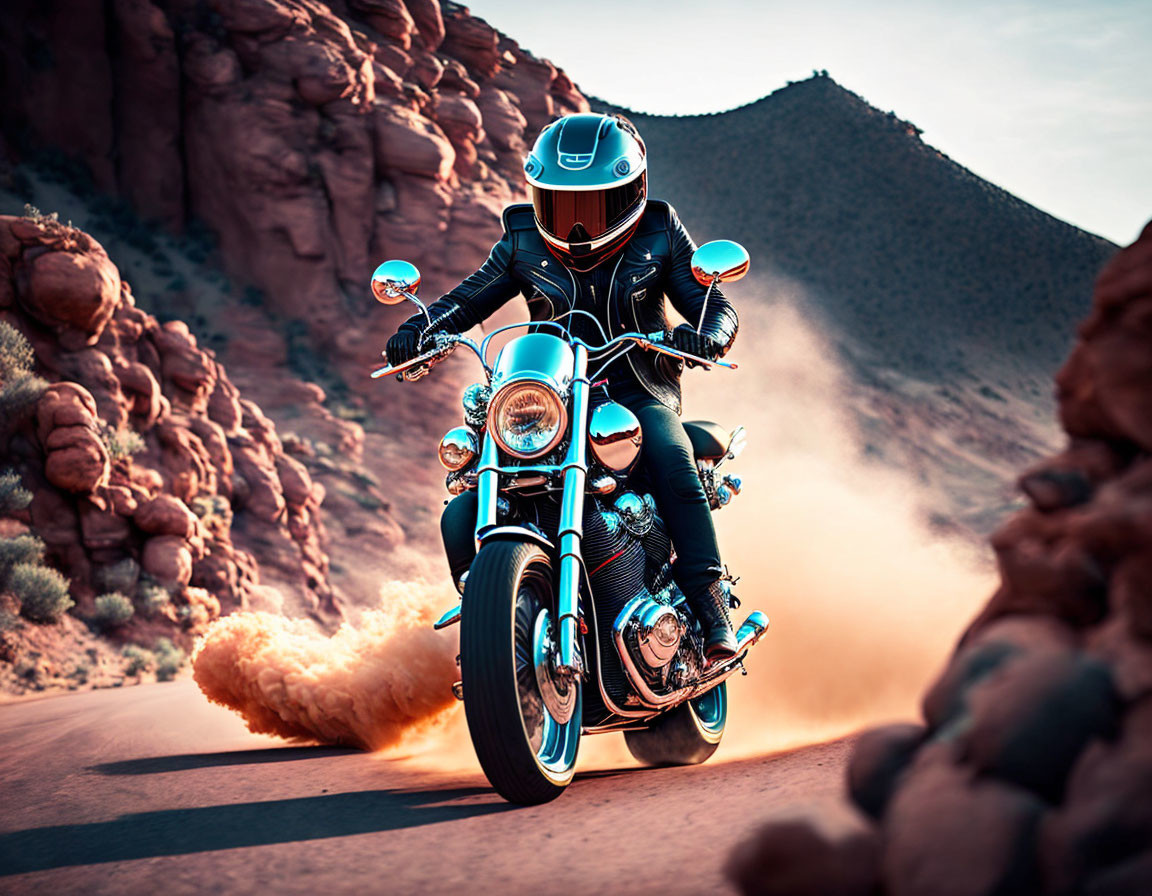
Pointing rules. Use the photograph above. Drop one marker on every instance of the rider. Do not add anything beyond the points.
(592, 240)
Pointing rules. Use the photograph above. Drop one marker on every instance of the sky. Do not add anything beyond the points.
(1050, 100)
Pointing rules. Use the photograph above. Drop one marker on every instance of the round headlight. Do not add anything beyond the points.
(457, 448)
(527, 419)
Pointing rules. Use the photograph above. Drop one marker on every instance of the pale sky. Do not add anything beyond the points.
(1050, 100)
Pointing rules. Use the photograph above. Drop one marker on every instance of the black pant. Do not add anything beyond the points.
(670, 469)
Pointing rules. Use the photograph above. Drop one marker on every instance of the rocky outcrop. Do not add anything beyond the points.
(314, 139)
(1032, 770)
(148, 469)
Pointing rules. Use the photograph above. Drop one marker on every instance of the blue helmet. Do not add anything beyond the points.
(588, 175)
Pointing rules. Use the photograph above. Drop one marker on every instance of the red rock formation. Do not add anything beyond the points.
(207, 487)
(1033, 770)
(315, 140)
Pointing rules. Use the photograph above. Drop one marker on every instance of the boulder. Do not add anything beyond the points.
(828, 851)
(879, 758)
(73, 292)
(1105, 820)
(409, 143)
(1030, 719)
(166, 515)
(168, 559)
(949, 833)
(76, 459)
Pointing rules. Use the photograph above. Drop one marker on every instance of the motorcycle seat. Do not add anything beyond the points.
(710, 441)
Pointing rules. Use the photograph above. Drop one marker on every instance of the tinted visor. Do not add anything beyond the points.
(578, 216)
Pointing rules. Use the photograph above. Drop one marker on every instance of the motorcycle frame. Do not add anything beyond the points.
(571, 574)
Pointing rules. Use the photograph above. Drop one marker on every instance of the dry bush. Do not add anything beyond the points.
(112, 611)
(41, 591)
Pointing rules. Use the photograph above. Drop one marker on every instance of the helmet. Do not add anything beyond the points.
(588, 175)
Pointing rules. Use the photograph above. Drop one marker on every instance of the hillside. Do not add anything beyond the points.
(924, 266)
(948, 301)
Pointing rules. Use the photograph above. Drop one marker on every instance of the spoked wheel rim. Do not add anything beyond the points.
(549, 708)
(710, 710)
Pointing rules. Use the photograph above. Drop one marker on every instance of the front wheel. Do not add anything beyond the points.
(686, 735)
(524, 722)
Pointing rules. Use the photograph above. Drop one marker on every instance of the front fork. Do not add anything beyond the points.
(575, 469)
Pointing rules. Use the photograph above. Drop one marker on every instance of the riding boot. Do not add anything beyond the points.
(711, 608)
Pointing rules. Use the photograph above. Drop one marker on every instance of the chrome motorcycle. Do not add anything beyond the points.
(570, 621)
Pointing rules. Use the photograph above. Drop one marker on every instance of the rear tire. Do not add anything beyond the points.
(686, 735)
(506, 622)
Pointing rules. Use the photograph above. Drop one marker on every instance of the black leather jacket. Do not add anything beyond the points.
(656, 262)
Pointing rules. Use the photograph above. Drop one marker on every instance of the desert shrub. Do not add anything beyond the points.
(136, 660)
(213, 507)
(112, 610)
(16, 356)
(20, 389)
(8, 621)
(20, 549)
(13, 495)
(41, 591)
(18, 396)
(169, 659)
(34, 214)
(122, 576)
(121, 442)
(151, 597)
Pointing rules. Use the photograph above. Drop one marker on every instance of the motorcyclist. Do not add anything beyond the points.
(592, 240)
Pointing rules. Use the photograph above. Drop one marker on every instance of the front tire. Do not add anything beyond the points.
(506, 627)
(686, 735)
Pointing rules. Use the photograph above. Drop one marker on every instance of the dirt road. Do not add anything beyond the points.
(152, 790)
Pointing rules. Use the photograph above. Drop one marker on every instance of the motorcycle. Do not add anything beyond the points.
(570, 621)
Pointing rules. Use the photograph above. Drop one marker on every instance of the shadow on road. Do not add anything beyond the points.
(158, 764)
(182, 831)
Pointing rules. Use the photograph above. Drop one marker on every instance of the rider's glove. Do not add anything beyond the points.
(404, 346)
(686, 339)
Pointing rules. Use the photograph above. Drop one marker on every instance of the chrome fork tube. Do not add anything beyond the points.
(487, 486)
(572, 519)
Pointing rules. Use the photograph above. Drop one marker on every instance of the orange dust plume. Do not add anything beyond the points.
(366, 686)
(865, 602)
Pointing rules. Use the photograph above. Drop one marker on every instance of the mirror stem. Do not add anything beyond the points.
(704, 307)
(412, 298)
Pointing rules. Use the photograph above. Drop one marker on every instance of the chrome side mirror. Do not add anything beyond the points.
(394, 281)
(720, 261)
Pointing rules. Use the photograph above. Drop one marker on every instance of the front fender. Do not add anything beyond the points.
(516, 533)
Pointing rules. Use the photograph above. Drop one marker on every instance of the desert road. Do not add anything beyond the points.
(151, 789)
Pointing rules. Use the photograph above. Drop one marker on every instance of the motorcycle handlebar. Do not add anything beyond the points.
(655, 342)
(415, 368)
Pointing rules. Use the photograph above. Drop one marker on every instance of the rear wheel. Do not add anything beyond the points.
(686, 735)
(524, 722)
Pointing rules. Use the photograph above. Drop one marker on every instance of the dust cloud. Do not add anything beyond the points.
(369, 685)
(865, 603)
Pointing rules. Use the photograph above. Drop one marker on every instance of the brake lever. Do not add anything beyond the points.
(424, 362)
(657, 342)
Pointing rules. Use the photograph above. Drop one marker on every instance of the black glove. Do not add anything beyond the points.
(686, 339)
(404, 346)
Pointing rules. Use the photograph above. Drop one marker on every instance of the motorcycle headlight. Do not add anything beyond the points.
(527, 419)
(457, 448)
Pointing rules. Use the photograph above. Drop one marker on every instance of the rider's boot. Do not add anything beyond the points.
(711, 608)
